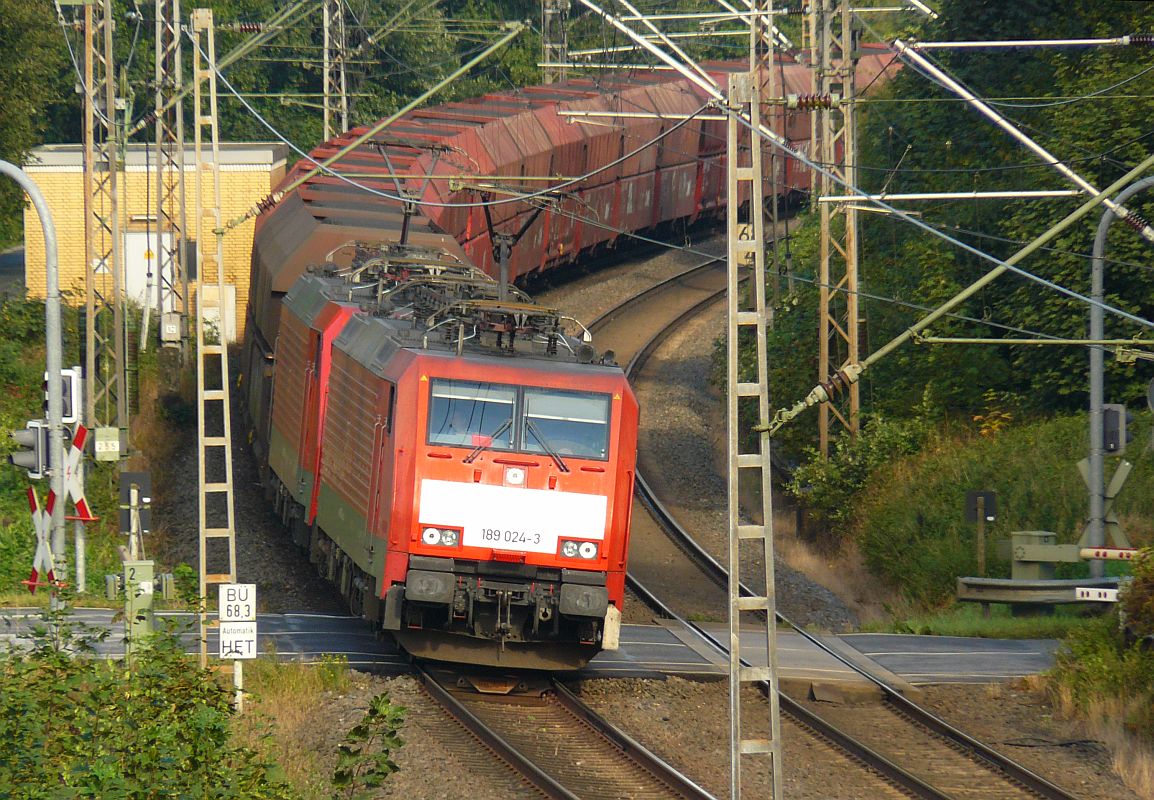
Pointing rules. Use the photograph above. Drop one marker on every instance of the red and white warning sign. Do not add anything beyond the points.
(42, 564)
(73, 487)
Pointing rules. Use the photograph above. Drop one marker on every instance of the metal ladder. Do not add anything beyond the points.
(746, 245)
(214, 449)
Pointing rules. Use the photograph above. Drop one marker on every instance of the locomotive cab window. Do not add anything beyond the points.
(470, 413)
(527, 419)
(568, 423)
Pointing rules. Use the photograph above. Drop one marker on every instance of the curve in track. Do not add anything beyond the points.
(655, 562)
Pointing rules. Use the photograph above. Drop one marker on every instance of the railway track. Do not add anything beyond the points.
(902, 743)
(553, 742)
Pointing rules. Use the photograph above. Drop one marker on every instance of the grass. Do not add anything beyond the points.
(286, 703)
(1104, 682)
(843, 571)
(966, 619)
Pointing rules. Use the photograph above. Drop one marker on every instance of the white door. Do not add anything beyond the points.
(141, 265)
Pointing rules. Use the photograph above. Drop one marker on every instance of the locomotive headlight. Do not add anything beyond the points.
(440, 537)
(572, 549)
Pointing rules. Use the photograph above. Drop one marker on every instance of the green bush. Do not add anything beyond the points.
(1137, 599)
(827, 486)
(909, 517)
(89, 727)
(1098, 668)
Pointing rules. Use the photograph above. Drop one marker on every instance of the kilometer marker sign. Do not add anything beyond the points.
(236, 608)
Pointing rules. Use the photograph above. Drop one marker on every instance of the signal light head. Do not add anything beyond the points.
(70, 392)
(34, 458)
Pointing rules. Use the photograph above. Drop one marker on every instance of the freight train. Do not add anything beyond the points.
(456, 458)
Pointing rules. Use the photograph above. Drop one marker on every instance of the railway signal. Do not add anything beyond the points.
(71, 395)
(33, 452)
(1117, 428)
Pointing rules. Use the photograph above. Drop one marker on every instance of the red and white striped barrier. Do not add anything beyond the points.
(1097, 595)
(1108, 553)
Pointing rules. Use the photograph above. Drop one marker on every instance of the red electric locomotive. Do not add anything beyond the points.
(461, 468)
(455, 462)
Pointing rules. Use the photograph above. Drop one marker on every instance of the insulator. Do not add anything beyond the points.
(1142, 38)
(809, 102)
(265, 204)
(148, 118)
(837, 383)
(1136, 221)
(250, 27)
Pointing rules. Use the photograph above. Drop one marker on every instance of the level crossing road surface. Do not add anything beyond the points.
(954, 659)
(646, 650)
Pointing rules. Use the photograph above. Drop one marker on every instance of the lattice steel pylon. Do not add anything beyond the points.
(106, 398)
(755, 617)
(214, 438)
(171, 213)
(554, 39)
(834, 64)
(336, 54)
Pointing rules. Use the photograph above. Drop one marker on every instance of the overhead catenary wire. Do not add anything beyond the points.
(777, 141)
(940, 76)
(290, 13)
(680, 248)
(274, 197)
(853, 372)
(713, 90)
(769, 135)
(1068, 101)
(639, 237)
(325, 166)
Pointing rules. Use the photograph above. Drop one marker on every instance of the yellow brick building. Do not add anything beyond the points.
(248, 173)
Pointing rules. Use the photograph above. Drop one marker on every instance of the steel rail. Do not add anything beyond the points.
(541, 780)
(715, 571)
(902, 704)
(633, 749)
(854, 749)
(679, 785)
(601, 319)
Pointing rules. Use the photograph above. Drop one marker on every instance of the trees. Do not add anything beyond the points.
(1091, 107)
(33, 74)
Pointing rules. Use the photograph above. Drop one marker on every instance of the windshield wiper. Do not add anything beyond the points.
(469, 459)
(545, 445)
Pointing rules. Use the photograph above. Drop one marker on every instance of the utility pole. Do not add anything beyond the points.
(834, 59)
(106, 396)
(335, 59)
(745, 177)
(214, 420)
(171, 214)
(554, 39)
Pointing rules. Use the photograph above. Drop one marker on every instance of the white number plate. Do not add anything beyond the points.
(510, 518)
